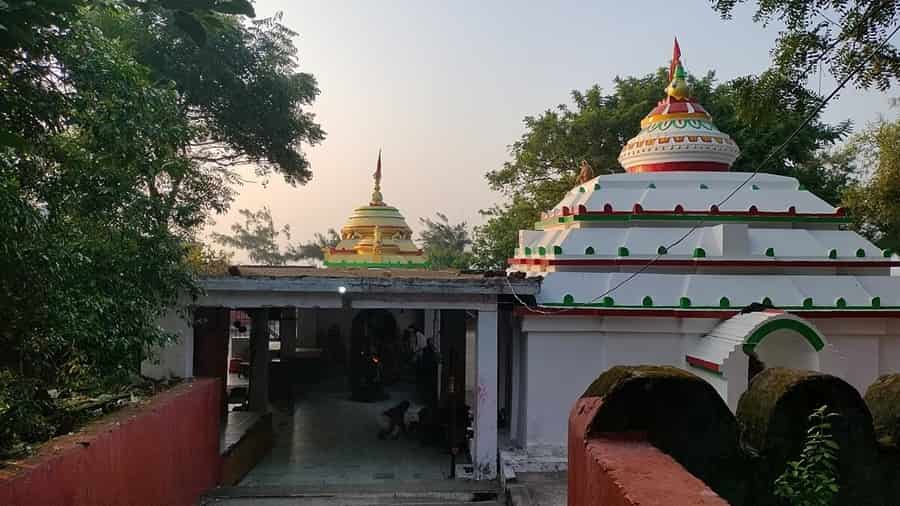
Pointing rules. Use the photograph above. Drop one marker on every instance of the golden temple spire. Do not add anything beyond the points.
(377, 199)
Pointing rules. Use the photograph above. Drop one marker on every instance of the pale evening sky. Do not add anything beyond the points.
(442, 87)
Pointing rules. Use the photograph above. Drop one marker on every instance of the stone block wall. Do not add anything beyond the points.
(660, 435)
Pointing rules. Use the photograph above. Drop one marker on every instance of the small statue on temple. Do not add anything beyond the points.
(586, 173)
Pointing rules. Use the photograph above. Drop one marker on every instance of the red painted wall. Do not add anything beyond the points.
(626, 470)
(165, 452)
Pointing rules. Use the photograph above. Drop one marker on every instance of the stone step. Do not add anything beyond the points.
(442, 493)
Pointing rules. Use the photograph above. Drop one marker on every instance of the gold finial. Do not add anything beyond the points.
(377, 199)
(586, 173)
(678, 88)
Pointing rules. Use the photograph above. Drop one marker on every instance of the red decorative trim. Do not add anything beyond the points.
(679, 166)
(713, 210)
(722, 314)
(696, 262)
(702, 364)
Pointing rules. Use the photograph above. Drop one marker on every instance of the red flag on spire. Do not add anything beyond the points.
(378, 168)
(676, 57)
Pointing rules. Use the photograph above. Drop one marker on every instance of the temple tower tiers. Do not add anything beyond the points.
(771, 242)
(376, 235)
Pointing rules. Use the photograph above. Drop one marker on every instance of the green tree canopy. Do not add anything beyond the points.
(838, 34)
(874, 202)
(758, 112)
(105, 177)
(446, 244)
(261, 239)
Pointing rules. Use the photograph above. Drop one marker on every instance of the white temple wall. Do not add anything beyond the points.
(174, 359)
(889, 351)
(860, 353)
(560, 365)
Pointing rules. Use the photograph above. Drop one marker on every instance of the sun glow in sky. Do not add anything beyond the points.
(442, 88)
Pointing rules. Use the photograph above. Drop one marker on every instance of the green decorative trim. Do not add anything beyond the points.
(527, 251)
(623, 251)
(860, 253)
(704, 187)
(770, 252)
(717, 218)
(651, 185)
(581, 189)
(887, 253)
(608, 301)
(662, 250)
(557, 250)
(754, 187)
(767, 301)
(542, 251)
(808, 302)
(699, 253)
(832, 253)
(684, 302)
(589, 250)
(568, 299)
(597, 186)
(801, 188)
(724, 302)
(647, 301)
(808, 333)
(876, 302)
(840, 303)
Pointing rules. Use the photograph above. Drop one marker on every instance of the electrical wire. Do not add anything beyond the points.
(733, 192)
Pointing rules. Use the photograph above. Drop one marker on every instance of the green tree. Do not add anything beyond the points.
(104, 183)
(874, 202)
(446, 244)
(838, 34)
(258, 236)
(314, 249)
(758, 113)
(261, 239)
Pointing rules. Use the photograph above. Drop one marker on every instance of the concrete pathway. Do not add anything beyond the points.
(539, 489)
(325, 438)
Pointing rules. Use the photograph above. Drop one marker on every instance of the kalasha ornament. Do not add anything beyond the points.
(678, 134)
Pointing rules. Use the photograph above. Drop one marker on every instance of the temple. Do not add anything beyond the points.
(680, 262)
(376, 235)
(676, 262)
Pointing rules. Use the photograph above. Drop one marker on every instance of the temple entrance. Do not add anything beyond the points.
(784, 342)
(339, 371)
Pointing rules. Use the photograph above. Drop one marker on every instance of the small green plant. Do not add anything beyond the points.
(812, 479)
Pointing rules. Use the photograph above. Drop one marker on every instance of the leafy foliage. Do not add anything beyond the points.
(104, 185)
(314, 249)
(446, 243)
(812, 479)
(874, 202)
(260, 238)
(759, 112)
(838, 34)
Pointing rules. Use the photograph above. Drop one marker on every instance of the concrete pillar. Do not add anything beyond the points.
(515, 346)
(433, 327)
(485, 442)
(259, 360)
(287, 330)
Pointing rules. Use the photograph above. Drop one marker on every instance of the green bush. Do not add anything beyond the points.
(812, 479)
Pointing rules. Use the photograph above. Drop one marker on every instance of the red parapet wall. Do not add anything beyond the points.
(164, 452)
(625, 470)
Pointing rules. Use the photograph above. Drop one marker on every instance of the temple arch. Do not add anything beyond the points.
(725, 356)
